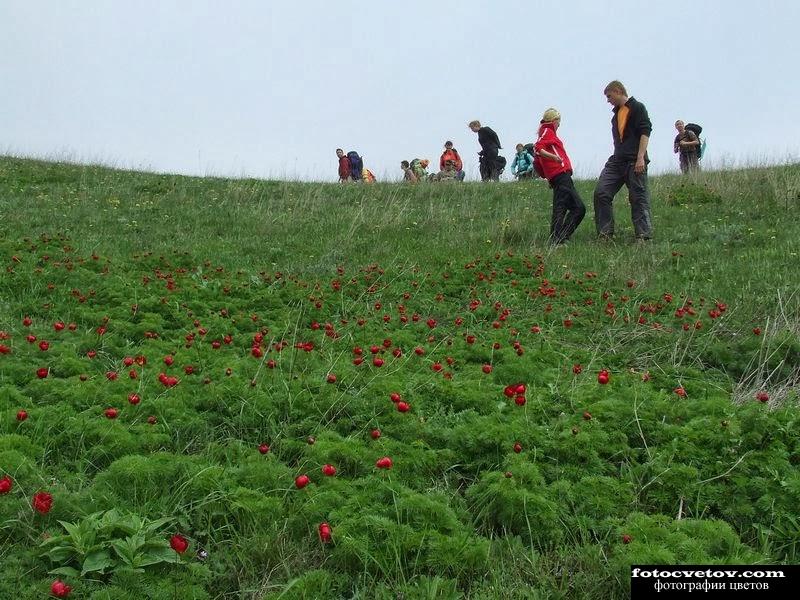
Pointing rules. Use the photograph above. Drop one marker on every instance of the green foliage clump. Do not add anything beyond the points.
(686, 193)
(658, 539)
(311, 585)
(107, 542)
(421, 534)
(517, 505)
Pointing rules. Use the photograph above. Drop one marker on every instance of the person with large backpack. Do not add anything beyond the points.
(491, 163)
(356, 165)
(552, 163)
(522, 165)
(419, 166)
(688, 147)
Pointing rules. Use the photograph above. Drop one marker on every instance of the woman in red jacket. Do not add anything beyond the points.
(568, 208)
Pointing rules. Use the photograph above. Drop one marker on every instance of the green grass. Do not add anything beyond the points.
(707, 478)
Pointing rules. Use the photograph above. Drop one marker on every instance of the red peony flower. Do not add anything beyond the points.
(42, 502)
(178, 543)
(59, 589)
(324, 533)
(384, 463)
(6, 483)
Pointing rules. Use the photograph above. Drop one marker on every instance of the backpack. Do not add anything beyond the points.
(697, 130)
(524, 164)
(356, 164)
(537, 160)
(418, 168)
(501, 163)
(368, 176)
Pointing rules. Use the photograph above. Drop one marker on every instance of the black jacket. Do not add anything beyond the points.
(488, 139)
(637, 125)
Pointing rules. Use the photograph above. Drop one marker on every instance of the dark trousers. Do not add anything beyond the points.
(489, 164)
(568, 208)
(689, 162)
(615, 174)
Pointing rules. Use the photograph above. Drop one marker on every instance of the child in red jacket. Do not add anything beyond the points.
(568, 208)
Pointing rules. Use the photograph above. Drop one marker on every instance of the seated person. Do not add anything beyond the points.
(408, 173)
(451, 153)
(449, 173)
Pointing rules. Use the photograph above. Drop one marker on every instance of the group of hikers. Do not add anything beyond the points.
(451, 167)
(548, 159)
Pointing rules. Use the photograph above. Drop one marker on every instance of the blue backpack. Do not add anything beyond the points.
(356, 164)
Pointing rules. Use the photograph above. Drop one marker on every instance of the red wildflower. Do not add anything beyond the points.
(178, 543)
(42, 502)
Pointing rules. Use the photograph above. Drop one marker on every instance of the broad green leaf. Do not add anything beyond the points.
(109, 517)
(136, 541)
(124, 551)
(60, 553)
(56, 539)
(154, 556)
(157, 524)
(66, 571)
(73, 530)
(130, 523)
(97, 561)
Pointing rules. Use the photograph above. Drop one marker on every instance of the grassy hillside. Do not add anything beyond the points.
(551, 416)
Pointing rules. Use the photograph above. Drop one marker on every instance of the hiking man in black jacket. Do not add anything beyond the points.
(491, 164)
(630, 129)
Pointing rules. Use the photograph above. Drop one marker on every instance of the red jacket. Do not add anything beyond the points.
(344, 168)
(451, 154)
(549, 141)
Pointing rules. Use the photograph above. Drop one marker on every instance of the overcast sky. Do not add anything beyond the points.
(270, 89)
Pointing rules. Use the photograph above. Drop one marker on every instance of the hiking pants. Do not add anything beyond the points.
(614, 175)
(689, 162)
(489, 165)
(568, 208)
